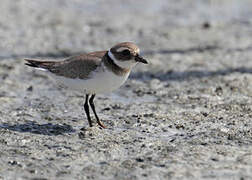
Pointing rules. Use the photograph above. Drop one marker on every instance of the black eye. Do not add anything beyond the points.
(126, 52)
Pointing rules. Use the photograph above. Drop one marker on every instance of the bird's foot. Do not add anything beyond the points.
(101, 124)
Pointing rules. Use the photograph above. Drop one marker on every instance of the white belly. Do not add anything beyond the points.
(101, 81)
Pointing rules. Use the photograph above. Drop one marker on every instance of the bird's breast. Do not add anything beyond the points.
(99, 81)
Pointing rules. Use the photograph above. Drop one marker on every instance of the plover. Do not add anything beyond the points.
(93, 73)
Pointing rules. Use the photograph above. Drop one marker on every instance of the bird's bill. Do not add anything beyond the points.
(139, 58)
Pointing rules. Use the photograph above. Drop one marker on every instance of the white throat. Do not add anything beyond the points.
(124, 64)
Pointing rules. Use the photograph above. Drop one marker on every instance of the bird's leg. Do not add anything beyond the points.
(91, 102)
(86, 108)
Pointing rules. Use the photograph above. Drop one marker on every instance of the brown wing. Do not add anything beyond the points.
(73, 67)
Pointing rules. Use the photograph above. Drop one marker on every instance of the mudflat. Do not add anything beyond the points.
(186, 115)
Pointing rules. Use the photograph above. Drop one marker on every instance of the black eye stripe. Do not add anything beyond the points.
(126, 52)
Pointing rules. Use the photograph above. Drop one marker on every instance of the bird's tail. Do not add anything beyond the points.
(42, 65)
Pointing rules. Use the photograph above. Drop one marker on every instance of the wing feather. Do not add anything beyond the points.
(74, 67)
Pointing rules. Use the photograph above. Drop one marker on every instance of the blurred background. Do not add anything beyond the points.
(163, 29)
(60, 26)
(185, 115)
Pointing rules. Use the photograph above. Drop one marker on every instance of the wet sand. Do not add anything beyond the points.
(187, 115)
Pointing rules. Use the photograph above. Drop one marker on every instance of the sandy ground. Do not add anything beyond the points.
(187, 115)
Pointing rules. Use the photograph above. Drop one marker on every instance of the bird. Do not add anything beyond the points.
(93, 73)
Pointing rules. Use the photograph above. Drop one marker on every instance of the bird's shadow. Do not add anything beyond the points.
(42, 129)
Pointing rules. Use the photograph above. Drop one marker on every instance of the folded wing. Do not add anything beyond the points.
(74, 67)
